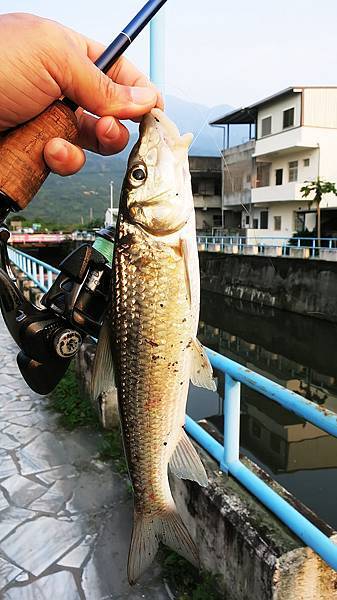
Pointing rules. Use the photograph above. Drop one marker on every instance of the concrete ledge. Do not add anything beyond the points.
(272, 251)
(256, 556)
(250, 249)
(299, 252)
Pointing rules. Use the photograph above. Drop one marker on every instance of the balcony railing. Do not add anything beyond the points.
(250, 244)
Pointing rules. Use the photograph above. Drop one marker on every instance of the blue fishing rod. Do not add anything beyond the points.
(75, 304)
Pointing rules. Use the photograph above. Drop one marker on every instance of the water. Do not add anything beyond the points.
(300, 354)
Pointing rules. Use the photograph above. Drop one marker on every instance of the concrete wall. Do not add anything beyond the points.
(305, 287)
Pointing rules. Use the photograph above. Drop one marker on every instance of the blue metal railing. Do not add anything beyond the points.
(301, 247)
(228, 455)
(36, 270)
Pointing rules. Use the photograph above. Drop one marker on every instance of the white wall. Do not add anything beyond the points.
(320, 107)
(275, 110)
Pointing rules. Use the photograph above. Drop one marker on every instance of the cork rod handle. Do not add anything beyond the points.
(22, 166)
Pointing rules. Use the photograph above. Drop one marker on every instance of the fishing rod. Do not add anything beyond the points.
(75, 305)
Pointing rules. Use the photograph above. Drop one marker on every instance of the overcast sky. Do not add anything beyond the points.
(218, 51)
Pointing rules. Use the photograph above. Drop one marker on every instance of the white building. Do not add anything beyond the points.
(293, 139)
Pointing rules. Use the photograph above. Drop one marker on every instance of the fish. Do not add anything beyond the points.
(148, 345)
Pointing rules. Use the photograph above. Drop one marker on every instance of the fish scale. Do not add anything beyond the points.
(151, 338)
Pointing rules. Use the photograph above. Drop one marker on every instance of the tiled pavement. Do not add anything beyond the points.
(65, 516)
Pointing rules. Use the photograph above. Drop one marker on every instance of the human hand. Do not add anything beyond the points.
(41, 60)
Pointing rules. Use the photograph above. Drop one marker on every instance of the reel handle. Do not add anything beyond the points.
(22, 166)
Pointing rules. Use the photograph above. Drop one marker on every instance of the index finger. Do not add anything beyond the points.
(122, 71)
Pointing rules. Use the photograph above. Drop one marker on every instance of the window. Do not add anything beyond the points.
(206, 187)
(293, 170)
(264, 219)
(288, 118)
(247, 178)
(277, 223)
(255, 223)
(278, 176)
(247, 220)
(306, 162)
(262, 175)
(217, 221)
(266, 126)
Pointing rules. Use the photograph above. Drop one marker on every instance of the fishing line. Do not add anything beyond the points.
(185, 95)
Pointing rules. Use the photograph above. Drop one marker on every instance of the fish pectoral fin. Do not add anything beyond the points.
(201, 369)
(103, 378)
(148, 530)
(185, 462)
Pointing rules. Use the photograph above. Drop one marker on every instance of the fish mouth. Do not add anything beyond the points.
(168, 130)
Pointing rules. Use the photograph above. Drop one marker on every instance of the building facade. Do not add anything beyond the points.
(293, 140)
(206, 187)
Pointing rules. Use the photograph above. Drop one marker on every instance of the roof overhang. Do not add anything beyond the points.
(248, 115)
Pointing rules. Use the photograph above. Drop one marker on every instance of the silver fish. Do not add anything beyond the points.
(148, 343)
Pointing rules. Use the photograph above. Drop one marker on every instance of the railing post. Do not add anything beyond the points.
(231, 422)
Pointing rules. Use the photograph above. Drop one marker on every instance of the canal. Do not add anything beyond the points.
(296, 352)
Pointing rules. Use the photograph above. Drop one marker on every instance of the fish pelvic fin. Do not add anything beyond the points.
(201, 369)
(185, 462)
(103, 378)
(148, 530)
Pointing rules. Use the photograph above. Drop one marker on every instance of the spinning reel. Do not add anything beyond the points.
(74, 306)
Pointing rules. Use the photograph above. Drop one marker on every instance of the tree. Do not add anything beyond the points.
(318, 187)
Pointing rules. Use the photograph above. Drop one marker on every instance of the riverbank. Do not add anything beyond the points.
(295, 285)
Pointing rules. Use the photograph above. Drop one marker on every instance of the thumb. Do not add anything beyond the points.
(94, 91)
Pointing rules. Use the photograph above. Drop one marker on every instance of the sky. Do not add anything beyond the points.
(217, 51)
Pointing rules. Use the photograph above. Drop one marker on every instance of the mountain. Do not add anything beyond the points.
(71, 200)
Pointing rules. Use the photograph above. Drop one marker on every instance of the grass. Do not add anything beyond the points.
(76, 411)
(186, 582)
(74, 407)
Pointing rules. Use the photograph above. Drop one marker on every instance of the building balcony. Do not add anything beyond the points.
(237, 198)
(278, 193)
(205, 202)
(298, 138)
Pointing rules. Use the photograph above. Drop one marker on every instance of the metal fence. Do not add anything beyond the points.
(228, 455)
(301, 247)
(42, 274)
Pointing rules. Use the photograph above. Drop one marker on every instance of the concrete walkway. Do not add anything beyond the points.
(65, 516)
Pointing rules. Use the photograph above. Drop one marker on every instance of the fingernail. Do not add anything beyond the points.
(58, 150)
(112, 130)
(143, 95)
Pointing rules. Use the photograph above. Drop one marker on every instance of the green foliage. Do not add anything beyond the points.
(111, 447)
(318, 187)
(186, 581)
(75, 408)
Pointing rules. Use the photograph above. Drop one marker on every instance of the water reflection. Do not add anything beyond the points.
(298, 353)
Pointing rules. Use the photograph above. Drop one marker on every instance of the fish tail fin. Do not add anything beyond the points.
(148, 531)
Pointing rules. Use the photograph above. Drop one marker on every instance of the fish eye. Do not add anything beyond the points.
(137, 175)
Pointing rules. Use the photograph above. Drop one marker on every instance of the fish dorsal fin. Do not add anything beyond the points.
(201, 370)
(103, 378)
(185, 462)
